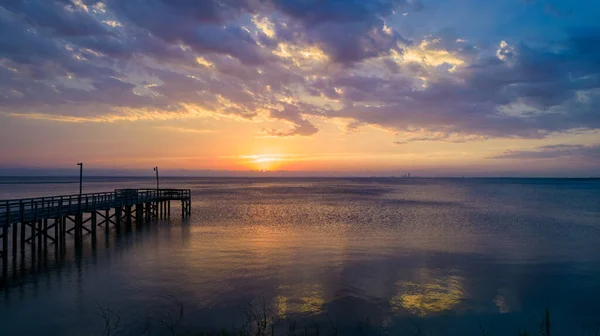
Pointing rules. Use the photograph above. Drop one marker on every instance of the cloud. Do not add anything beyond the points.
(443, 137)
(553, 152)
(348, 30)
(302, 127)
(292, 114)
(528, 93)
(186, 130)
(63, 18)
(290, 61)
(115, 115)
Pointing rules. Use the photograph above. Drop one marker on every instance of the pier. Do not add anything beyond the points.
(39, 224)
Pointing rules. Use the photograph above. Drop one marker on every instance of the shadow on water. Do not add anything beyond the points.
(55, 262)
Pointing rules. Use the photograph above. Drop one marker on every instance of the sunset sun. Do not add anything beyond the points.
(264, 162)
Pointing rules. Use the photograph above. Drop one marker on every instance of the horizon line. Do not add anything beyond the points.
(263, 175)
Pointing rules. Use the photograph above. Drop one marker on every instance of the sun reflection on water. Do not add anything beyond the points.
(302, 298)
(430, 296)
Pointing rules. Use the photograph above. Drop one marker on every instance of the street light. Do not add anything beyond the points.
(157, 184)
(79, 217)
(80, 164)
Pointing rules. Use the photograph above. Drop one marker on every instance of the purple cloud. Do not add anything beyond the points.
(553, 152)
(164, 55)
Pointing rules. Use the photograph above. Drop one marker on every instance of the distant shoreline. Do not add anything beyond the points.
(5, 180)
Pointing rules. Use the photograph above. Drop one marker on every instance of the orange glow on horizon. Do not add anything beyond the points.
(263, 163)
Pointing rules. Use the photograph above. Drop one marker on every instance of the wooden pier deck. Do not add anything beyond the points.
(36, 224)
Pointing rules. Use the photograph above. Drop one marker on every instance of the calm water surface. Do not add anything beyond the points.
(450, 256)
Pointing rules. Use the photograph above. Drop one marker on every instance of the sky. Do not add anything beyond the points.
(431, 87)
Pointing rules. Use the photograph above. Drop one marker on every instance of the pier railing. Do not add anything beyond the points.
(40, 222)
(28, 209)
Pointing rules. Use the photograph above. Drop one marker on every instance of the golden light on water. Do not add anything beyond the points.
(301, 298)
(431, 296)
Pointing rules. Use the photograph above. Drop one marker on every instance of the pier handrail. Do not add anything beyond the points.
(50, 205)
(37, 217)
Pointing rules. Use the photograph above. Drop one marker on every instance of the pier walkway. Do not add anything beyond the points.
(35, 224)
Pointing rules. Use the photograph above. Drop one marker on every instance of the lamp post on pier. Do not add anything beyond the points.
(79, 216)
(80, 164)
(157, 183)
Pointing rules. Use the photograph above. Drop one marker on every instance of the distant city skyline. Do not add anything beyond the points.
(309, 87)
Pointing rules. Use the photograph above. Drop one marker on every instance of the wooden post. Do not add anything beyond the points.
(139, 213)
(94, 219)
(4, 250)
(78, 224)
(23, 229)
(169, 209)
(128, 216)
(107, 223)
(22, 211)
(40, 237)
(56, 233)
(45, 233)
(59, 222)
(32, 241)
(14, 235)
(118, 216)
(38, 232)
(63, 233)
(33, 227)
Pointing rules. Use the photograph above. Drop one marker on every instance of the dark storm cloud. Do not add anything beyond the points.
(553, 152)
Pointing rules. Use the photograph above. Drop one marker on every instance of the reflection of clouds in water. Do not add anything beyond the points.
(433, 294)
(302, 298)
(281, 306)
(500, 302)
(507, 301)
(312, 299)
